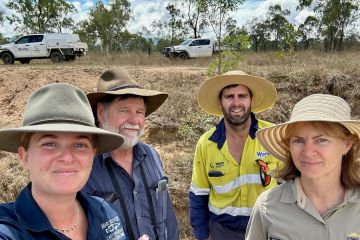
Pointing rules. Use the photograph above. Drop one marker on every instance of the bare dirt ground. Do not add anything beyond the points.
(174, 128)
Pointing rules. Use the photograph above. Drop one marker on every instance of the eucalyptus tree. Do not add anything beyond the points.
(195, 15)
(335, 18)
(41, 16)
(105, 25)
(218, 11)
(278, 23)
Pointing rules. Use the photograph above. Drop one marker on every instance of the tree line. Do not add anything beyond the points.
(331, 27)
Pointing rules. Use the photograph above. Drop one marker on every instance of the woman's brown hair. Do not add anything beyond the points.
(350, 169)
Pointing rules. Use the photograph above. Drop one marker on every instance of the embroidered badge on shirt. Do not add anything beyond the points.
(262, 154)
(217, 165)
(264, 176)
(113, 229)
(353, 236)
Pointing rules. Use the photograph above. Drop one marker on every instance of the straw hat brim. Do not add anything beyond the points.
(263, 91)
(272, 138)
(153, 99)
(105, 141)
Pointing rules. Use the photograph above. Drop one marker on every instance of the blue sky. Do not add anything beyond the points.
(144, 12)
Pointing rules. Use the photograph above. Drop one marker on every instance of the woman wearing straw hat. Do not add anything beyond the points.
(319, 146)
(56, 145)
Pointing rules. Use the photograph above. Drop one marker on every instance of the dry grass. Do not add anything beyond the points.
(175, 127)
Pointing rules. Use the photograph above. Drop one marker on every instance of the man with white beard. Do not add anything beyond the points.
(131, 177)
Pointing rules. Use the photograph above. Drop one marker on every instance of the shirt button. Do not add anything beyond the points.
(135, 193)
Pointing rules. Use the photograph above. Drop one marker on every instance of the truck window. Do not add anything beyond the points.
(186, 42)
(36, 38)
(204, 42)
(194, 43)
(23, 40)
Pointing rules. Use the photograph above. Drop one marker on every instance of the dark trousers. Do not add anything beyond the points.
(220, 232)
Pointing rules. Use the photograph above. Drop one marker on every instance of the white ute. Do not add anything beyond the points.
(56, 46)
(191, 48)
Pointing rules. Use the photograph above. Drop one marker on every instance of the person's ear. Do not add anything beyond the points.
(100, 112)
(348, 144)
(23, 156)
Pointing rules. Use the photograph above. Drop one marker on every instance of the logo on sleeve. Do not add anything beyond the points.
(113, 229)
(262, 154)
(353, 236)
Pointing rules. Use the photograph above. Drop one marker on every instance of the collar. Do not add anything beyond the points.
(294, 193)
(219, 135)
(30, 215)
(139, 154)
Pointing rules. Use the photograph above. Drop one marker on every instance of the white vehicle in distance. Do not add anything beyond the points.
(56, 46)
(191, 48)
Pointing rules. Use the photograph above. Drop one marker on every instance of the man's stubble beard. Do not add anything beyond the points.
(236, 121)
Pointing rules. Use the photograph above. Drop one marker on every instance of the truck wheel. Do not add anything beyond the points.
(182, 56)
(24, 61)
(8, 58)
(71, 58)
(56, 57)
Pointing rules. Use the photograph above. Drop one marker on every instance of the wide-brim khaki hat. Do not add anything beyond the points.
(263, 91)
(117, 81)
(316, 107)
(59, 108)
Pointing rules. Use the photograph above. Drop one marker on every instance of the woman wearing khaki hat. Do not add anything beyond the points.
(56, 145)
(319, 146)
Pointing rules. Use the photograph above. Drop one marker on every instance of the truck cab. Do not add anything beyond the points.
(29, 46)
(191, 48)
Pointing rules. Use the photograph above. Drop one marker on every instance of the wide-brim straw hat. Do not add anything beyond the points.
(316, 107)
(60, 108)
(263, 91)
(118, 82)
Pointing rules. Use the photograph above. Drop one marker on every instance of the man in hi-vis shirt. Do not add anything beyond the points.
(231, 168)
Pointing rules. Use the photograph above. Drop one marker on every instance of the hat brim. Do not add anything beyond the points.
(263, 91)
(105, 141)
(153, 99)
(272, 138)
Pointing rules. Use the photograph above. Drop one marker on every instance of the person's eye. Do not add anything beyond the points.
(48, 144)
(81, 145)
(123, 110)
(141, 112)
(322, 140)
(297, 141)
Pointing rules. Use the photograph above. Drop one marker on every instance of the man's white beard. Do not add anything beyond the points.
(131, 139)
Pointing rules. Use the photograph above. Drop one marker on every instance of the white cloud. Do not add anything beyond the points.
(303, 14)
(143, 13)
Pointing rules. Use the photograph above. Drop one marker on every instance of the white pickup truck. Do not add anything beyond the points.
(56, 46)
(191, 48)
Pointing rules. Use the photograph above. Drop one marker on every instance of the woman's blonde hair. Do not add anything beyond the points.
(350, 169)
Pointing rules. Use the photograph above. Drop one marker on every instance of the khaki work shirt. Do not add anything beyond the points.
(285, 213)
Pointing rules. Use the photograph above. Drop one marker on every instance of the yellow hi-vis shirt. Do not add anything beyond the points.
(232, 187)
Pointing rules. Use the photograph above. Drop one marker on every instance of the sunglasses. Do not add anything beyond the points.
(265, 178)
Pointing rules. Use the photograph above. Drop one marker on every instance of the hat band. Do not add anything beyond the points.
(46, 121)
(123, 87)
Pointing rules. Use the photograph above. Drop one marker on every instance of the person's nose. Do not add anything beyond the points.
(308, 149)
(237, 101)
(66, 155)
(133, 118)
